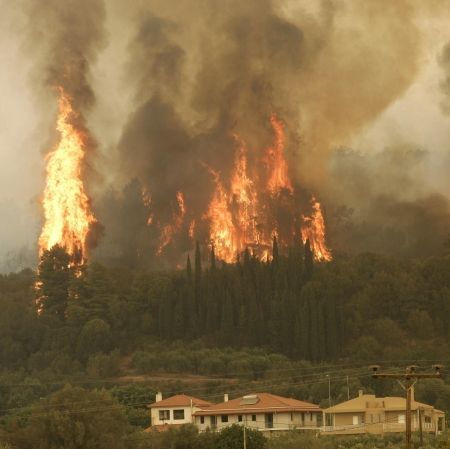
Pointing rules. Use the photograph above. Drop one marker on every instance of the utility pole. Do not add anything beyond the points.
(420, 427)
(329, 390)
(348, 390)
(407, 382)
(245, 432)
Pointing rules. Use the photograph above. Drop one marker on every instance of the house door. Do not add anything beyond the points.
(269, 420)
(213, 422)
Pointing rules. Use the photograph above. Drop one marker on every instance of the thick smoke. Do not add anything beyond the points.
(444, 60)
(225, 69)
(203, 71)
(65, 38)
(381, 202)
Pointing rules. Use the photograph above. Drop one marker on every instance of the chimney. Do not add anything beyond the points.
(158, 397)
(225, 397)
(360, 393)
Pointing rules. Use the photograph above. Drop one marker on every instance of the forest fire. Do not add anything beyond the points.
(170, 229)
(278, 169)
(257, 202)
(67, 213)
(313, 229)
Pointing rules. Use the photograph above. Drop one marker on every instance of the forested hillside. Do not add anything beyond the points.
(285, 326)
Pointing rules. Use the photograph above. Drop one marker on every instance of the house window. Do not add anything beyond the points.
(292, 416)
(253, 417)
(401, 419)
(164, 415)
(355, 420)
(178, 414)
(202, 420)
(428, 419)
(319, 418)
(224, 418)
(240, 418)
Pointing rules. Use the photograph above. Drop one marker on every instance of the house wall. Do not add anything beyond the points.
(155, 421)
(281, 420)
(346, 419)
(293, 420)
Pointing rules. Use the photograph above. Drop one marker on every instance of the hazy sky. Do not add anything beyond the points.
(26, 120)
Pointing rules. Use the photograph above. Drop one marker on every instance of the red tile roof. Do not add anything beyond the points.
(180, 400)
(266, 402)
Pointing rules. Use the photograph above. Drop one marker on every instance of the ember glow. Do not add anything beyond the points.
(67, 213)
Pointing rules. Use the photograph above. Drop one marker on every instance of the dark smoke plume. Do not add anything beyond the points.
(65, 38)
(203, 71)
(381, 203)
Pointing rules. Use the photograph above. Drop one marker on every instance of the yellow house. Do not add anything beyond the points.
(369, 414)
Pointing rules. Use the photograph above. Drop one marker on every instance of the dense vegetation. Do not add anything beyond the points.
(279, 326)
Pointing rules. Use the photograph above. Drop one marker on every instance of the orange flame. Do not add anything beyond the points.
(170, 230)
(234, 216)
(313, 229)
(276, 162)
(244, 199)
(222, 231)
(191, 230)
(67, 213)
(248, 211)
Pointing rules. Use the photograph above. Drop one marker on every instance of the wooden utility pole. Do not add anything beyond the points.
(409, 378)
(420, 427)
(245, 432)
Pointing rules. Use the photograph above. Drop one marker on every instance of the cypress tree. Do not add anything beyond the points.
(213, 258)
(309, 261)
(189, 269)
(274, 249)
(198, 285)
(332, 336)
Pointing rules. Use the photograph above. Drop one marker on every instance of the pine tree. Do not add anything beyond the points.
(53, 282)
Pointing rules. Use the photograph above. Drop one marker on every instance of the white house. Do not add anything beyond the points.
(263, 411)
(176, 410)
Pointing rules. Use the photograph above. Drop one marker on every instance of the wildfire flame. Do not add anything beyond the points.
(276, 162)
(244, 199)
(258, 202)
(313, 229)
(171, 229)
(67, 213)
(222, 231)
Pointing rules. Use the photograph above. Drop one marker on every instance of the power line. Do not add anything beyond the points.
(409, 378)
(136, 404)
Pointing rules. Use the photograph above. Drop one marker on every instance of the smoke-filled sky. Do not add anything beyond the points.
(362, 87)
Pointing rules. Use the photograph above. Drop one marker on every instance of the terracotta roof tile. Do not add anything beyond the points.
(180, 400)
(266, 402)
(369, 401)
